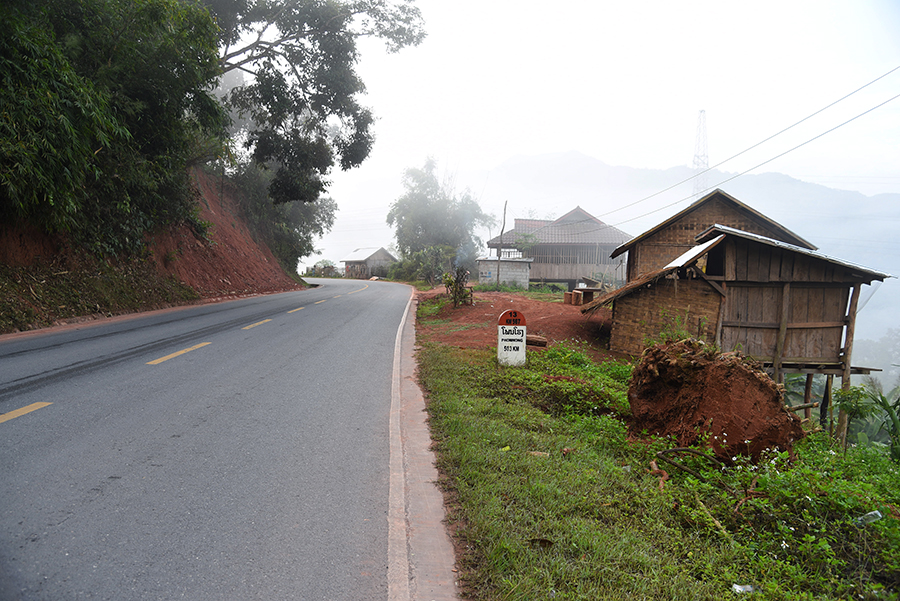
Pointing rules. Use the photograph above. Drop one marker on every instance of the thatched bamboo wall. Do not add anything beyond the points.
(688, 304)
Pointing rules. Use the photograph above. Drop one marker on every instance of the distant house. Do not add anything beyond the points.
(656, 247)
(363, 263)
(575, 246)
(789, 307)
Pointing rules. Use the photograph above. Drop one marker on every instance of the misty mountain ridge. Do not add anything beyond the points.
(842, 223)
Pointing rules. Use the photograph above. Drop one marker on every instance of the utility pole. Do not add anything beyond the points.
(701, 160)
(500, 248)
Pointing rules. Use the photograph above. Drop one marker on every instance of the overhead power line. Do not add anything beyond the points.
(746, 150)
(768, 160)
(605, 226)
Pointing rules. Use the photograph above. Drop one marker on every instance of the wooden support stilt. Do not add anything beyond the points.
(807, 395)
(782, 332)
(843, 420)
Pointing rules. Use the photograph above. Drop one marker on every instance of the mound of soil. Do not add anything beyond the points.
(685, 390)
(475, 326)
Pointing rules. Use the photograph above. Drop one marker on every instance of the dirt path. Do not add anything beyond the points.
(475, 326)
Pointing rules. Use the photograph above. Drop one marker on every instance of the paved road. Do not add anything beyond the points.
(253, 466)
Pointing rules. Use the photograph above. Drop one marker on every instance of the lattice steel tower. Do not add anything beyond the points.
(701, 160)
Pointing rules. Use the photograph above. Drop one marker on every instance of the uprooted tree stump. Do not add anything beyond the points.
(689, 391)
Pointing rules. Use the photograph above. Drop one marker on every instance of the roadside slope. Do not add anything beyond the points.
(228, 262)
(43, 281)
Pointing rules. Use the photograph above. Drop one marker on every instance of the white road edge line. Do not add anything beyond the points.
(398, 551)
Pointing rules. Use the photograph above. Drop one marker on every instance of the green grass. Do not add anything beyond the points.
(432, 307)
(552, 500)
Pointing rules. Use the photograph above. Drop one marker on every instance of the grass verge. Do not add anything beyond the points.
(550, 499)
(38, 296)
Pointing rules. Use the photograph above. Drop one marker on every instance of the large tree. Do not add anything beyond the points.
(289, 229)
(103, 105)
(303, 93)
(431, 214)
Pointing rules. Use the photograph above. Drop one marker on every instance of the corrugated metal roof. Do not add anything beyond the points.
(694, 253)
(717, 230)
(363, 254)
(710, 238)
(575, 227)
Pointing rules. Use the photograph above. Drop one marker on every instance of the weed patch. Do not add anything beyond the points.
(551, 500)
(40, 295)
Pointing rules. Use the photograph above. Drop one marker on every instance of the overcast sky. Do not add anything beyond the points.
(623, 82)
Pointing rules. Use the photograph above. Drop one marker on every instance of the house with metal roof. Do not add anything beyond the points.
(657, 246)
(564, 250)
(787, 306)
(363, 263)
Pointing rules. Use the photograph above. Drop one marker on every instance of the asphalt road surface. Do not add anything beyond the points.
(237, 450)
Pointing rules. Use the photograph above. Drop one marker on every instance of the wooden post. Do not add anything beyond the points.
(782, 332)
(722, 302)
(848, 354)
(826, 403)
(500, 248)
(807, 394)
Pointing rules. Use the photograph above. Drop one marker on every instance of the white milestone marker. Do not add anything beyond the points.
(511, 338)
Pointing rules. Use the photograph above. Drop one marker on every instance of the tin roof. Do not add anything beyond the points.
(363, 254)
(716, 232)
(575, 227)
(712, 237)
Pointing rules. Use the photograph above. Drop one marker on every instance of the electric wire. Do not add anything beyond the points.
(720, 163)
(778, 156)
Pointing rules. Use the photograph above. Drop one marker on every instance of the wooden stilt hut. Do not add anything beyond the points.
(792, 308)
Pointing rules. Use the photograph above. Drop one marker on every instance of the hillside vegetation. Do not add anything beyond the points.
(110, 108)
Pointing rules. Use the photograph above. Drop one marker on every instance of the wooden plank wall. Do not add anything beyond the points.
(564, 254)
(570, 262)
(571, 271)
(756, 275)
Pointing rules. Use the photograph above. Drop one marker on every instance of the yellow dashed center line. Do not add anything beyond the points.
(173, 355)
(338, 296)
(321, 301)
(360, 290)
(258, 323)
(19, 412)
(295, 310)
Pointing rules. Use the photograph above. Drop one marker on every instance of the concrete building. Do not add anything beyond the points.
(513, 272)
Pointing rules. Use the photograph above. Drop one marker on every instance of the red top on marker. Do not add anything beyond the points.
(511, 318)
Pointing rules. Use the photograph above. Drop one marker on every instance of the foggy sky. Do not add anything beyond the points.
(623, 82)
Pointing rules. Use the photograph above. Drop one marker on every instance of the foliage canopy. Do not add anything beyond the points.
(303, 94)
(430, 214)
(105, 103)
(289, 229)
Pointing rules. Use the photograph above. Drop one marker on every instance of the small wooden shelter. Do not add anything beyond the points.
(575, 246)
(659, 245)
(790, 307)
(364, 263)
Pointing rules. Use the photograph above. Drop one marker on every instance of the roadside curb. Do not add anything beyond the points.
(430, 556)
